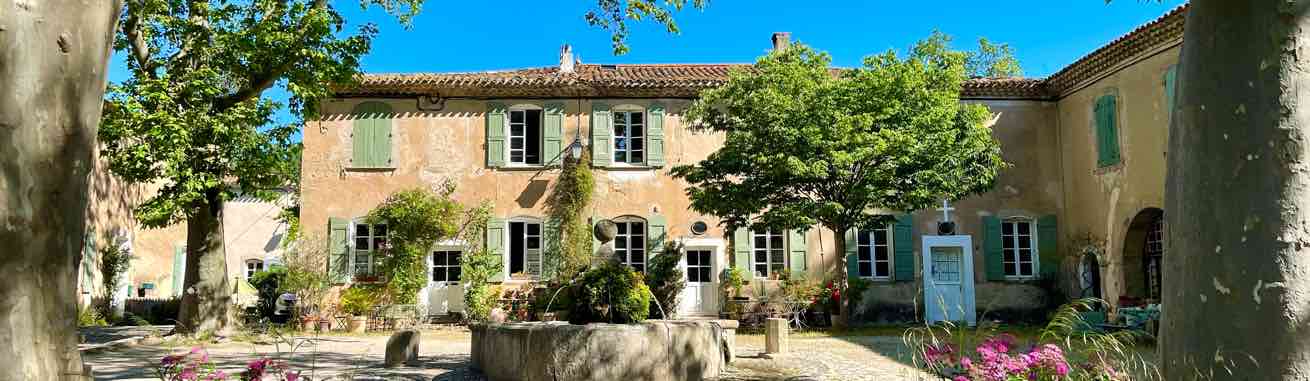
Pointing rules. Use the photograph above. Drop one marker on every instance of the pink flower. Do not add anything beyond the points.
(188, 374)
(170, 360)
(217, 375)
(960, 378)
(292, 376)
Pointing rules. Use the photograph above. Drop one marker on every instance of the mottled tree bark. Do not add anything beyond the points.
(53, 56)
(207, 297)
(1237, 269)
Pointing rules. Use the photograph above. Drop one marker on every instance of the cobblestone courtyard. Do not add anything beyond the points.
(444, 355)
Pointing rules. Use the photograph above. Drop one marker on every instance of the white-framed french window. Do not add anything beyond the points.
(368, 241)
(629, 135)
(446, 265)
(874, 252)
(769, 252)
(253, 266)
(630, 243)
(524, 247)
(524, 132)
(1019, 247)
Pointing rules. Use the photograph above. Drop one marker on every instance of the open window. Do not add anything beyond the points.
(629, 136)
(369, 241)
(524, 134)
(525, 247)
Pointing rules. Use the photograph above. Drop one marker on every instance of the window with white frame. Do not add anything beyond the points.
(874, 253)
(253, 266)
(370, 239)
(525, 136)
(525, 248)
(630, 243)
(1017, 243)
(446, 266)
(629, 137)
(770, 252)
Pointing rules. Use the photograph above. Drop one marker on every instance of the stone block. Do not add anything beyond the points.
(402, 348)
(775, 335)
(655, 350)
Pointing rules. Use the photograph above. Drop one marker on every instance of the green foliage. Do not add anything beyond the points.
(993, 61)
(613, 14)
(305, 260)
(665, 279)
(268, 284)
(568, 248)
(856, 288)
(89, 317)
(114, 261)
(359, 300)
(416, 219)
(612, 293)
(733, 279)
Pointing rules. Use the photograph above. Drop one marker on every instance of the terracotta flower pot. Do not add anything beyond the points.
(357, 324)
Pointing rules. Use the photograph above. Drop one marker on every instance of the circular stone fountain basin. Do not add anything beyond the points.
(655, 350)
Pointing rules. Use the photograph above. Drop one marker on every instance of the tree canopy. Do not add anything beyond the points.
(807, 144)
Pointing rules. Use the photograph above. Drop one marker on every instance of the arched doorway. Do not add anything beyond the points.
(1142, 256)
(1089, 270)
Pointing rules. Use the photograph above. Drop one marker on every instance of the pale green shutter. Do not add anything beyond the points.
(1170, 88)
(741, 252)
(552, 146)
(797, 245)
(361, 137)
(1048, 252)
(381, 142)
(602, 135)
(1106, 132)
(903, 248)
(495, 134)
(657, 231)
(993, 257)
(852, 253)
(179, 268)
(655, 136)
(338, 249)
(496, 246)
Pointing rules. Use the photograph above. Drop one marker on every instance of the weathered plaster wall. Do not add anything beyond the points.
(251, 231)
(1103, 201)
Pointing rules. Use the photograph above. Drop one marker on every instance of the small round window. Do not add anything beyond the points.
(699, 227)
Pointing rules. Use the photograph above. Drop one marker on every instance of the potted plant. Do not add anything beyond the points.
(733, 279)
(357, 302)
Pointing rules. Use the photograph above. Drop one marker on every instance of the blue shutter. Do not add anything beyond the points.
(1048, 238)
(993, 257)
(903, 248)
(852, 253)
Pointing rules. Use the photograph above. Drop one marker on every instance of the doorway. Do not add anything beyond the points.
(701, 265)
(445, 291)
(948, 279)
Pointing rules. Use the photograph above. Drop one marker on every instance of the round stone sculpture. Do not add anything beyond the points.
(605, 230)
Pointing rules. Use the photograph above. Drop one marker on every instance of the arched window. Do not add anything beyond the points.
(253, 266)
(1018, 245)
(630, 243)
(1154, 255)
(874, 252)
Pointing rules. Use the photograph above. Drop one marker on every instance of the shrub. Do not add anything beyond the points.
(358, 301)
(268, 284)
(305, 260)
(89, 317)
(612, 293)
(665, 279)
(733, 279)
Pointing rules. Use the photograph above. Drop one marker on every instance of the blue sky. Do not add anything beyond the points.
(488, 35)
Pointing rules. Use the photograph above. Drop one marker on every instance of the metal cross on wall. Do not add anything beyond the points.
(946, 210)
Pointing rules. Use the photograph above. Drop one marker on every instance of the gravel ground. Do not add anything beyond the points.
(445, 356)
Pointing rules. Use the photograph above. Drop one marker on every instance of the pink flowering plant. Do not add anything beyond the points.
(196, 366)
(1064, 351)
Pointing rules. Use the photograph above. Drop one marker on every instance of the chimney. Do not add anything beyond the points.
(566, 59)
(781, 40)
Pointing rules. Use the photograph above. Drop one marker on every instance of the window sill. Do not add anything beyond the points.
(878, 279)
(523, 167)
(629, 167)
(369, 169)
(1021, 279)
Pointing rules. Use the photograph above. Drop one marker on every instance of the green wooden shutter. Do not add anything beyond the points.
(179, 268)
(903, 248)
(1106, 132)
(797, 245)
(741, 252)
(361, 137)
(1170, 88)
(552, 146)
(381, 141)
(852, 251)
(993, 258)
(602, 135)
(338, 249)
(655, 136)
(657, 231)
(1048, 252)
(495, 134)
(496, 246)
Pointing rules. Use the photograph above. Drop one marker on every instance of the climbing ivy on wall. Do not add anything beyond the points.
(417, 219)
(568, 246)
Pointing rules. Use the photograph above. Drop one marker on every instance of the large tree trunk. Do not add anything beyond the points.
(53, 56)
(207, 297)
(1237, 270)
(843, 281)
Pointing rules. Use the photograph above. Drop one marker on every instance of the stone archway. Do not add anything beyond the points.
(1143, 248)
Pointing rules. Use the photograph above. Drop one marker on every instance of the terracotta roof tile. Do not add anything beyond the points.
(686, 80)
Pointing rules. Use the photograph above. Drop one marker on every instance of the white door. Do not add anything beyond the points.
(948, 279)
(445, 293)
(701, 296)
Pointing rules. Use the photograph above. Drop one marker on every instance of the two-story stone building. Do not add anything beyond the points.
(1080, 205)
